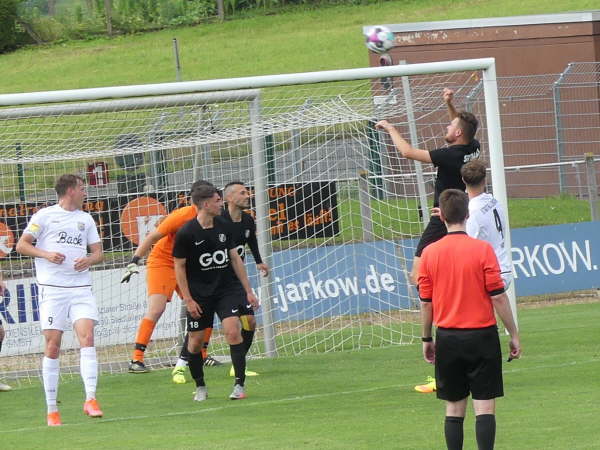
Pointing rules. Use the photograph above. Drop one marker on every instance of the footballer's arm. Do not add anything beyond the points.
(240, 272)
(182, 282)
(96, 255)
(144, 248)
(253, 244)
(25, 247)
(405, 149)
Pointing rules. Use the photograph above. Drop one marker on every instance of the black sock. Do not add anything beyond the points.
(238, 359)
(485, 431)
(247, 336)
(184, 353)
(196, 365)
(453, 429)
(1, 345)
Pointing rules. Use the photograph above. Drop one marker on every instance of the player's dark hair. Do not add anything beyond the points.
(454, 205)
(233, 183)
(199, 183)
(473, 173)
(468, 123)
(65, 182)
(202, 193)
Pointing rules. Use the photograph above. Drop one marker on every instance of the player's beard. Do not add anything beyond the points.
(449, 139)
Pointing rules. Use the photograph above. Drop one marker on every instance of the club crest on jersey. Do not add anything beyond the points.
(247, 233)
(222, 237)
(80, 226)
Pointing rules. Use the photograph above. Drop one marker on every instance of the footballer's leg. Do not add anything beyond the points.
(156, 307)
(178, 372)
(84, 328)
(53, 307)
(161, 284)
(3, 387)
(84, 314)
(233, 335)
(209, 361)
(248, 323)
(195, 328)
(51, 373)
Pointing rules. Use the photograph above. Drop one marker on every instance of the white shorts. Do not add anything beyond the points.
(61, 307)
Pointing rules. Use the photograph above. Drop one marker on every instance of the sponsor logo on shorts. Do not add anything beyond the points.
(247, 233)
(222, 237)
(235, 310)
(198, 243)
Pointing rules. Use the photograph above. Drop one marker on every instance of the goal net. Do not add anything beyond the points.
(338, 212)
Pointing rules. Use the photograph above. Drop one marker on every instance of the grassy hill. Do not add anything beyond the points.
(297, 40)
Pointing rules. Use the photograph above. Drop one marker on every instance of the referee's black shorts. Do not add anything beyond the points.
(468, 361)
(434, 231)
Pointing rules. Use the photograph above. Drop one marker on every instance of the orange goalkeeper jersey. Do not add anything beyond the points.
(162, 253)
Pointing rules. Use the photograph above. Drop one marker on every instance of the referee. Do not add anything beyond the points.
(460, 298)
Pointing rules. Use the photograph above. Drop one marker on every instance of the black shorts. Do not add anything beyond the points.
(435, 230)
(231, 302)
(468, 361)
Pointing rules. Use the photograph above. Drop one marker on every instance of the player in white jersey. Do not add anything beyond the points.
(487, 220)
(58, 237)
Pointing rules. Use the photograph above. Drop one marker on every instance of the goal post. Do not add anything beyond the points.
(304, 144)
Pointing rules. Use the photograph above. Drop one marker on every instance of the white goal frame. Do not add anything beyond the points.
(215, 88)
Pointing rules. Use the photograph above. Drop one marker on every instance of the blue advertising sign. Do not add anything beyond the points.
(357, 278)
(557, 258)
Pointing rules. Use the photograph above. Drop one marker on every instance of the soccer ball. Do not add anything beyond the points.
(379, 39)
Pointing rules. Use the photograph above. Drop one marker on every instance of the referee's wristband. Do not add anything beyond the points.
(427, 339)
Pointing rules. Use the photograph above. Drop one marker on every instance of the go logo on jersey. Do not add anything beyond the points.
(241, 250)
(218, 258)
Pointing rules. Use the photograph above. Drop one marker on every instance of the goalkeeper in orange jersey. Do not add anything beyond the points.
(160, 277)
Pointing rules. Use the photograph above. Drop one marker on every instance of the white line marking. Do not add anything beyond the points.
(247, 404)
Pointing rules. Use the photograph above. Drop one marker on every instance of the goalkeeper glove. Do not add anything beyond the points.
(132, 268)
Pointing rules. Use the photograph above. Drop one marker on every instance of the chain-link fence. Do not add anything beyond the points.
(549, 123)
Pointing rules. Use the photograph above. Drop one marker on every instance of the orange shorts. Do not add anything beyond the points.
(161, 280)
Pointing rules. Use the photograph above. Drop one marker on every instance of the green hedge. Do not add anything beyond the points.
(8, 26)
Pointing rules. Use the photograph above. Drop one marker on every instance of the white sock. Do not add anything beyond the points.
(50, 373)
(88, 367)
(181, 363)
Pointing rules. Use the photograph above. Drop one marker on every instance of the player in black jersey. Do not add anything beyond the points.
(212, 278)
(237, 198)
(462, 147)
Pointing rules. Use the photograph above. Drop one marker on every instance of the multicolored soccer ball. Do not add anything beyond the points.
(379, 39)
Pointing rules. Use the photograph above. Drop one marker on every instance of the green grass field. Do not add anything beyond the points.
(298, 40)
(345, 400)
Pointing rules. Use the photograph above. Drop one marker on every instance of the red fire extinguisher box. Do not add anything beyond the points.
(97, 173)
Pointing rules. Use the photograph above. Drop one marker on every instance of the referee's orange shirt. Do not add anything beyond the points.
(459, 274)
(162, 252)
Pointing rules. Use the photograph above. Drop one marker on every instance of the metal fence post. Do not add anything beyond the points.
(560, 150)
(364, 199)
(592, 186)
